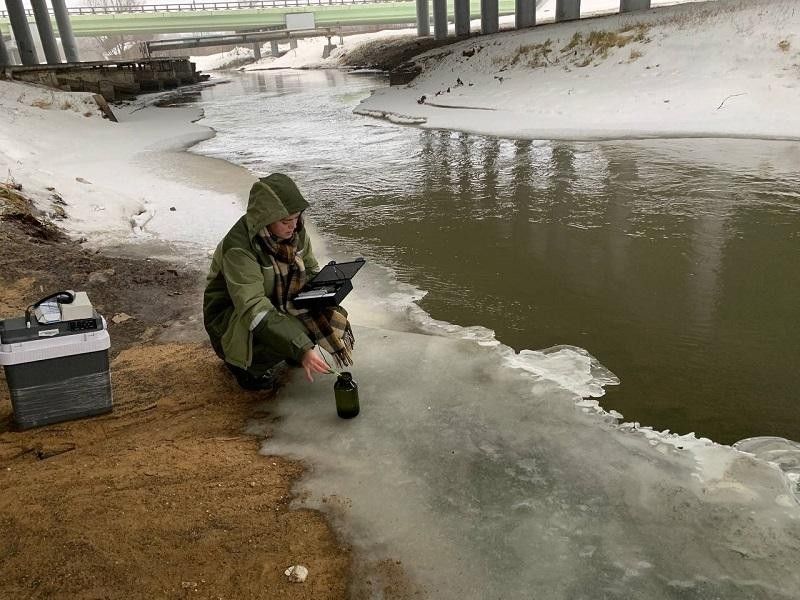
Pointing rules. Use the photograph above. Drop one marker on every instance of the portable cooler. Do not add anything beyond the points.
(57, 371)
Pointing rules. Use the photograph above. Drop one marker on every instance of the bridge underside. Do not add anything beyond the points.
(236, 38)
(409, 12)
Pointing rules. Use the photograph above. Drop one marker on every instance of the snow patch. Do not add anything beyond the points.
(658, 73)
(118, 179)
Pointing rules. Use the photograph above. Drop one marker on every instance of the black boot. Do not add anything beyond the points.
(249, 381)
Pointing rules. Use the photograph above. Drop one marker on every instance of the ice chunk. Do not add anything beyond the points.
(783, 453)
(570, 367)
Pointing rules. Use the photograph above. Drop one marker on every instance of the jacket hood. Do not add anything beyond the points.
(272, 198)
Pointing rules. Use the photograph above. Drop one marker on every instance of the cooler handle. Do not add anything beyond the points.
(62, 297)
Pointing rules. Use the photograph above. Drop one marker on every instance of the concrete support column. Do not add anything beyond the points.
(461, 9)
(630, 5)
(490, 16)
(293, 44)
(440, 19)
(525, 13)
(65, 31)
(326, 51)
(423, 19)
(5, 57)
(46, 31)
(273, 48)
(568, 10)
(257, 50)
(22, 33)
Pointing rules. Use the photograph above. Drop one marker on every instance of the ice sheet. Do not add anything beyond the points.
(488, 474)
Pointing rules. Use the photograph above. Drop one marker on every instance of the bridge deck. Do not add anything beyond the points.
(373, 13)
(231, 39)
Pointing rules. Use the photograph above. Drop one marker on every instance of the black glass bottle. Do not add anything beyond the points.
(346, 391)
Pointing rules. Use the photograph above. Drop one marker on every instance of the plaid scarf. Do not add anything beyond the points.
(327, 327)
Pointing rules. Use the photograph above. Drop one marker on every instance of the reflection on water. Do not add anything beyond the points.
(671, 261)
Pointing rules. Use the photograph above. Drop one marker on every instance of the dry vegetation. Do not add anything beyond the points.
(44, 103)
(11, 200)
(581, 51)
(55, 99)
(18, 208)
(784, 45)
(533, 55)
(602, 42)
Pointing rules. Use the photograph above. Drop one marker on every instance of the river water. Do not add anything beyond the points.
(488, 470)
(671, 261)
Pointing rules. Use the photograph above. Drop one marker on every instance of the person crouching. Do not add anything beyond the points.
(260, 265)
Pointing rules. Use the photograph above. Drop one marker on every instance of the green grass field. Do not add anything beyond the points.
(231, 20)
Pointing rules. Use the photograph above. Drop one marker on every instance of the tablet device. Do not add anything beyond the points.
(333, 272)
(330, 286)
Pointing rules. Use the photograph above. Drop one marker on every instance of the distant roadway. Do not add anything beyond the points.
(197, 21)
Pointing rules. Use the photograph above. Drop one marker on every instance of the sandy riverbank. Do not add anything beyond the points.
(166, 496)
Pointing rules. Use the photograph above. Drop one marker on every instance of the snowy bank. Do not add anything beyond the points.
(711, 69)
(122, 182)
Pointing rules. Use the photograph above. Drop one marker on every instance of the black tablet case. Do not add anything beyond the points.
(330, 286)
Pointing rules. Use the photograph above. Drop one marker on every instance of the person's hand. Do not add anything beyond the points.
(313, 363)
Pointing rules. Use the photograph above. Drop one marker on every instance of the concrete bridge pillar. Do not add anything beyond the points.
(46, 31)
(423, 19)
(490, 16)
(568, 10)
(257, 50)
(5, 57)
(630, 5)
(525, 13)
(440, 19)
(22, 33)
(65, 31)
(273, 49)
(293, 44)
(326, 51)
(461, 10)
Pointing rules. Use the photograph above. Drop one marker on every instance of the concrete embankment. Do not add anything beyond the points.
(113, 80)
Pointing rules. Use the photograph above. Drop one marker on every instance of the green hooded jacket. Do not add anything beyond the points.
(241, 280)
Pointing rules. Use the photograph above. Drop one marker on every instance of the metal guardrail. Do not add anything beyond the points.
(203, 6)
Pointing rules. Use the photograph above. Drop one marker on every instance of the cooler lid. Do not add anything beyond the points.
(20, 352)
(17, 329)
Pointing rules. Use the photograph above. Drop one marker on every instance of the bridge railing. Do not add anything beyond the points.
(201, 6)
